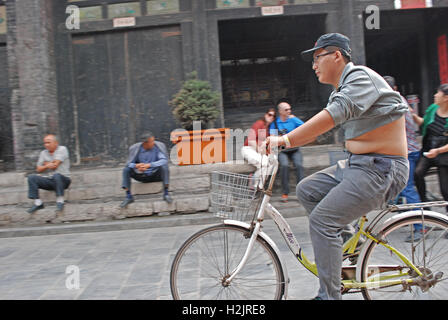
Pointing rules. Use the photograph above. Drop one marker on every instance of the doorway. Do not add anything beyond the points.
(261, 64)
(405, 47)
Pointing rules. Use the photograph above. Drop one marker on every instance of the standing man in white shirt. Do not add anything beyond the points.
(53, 167)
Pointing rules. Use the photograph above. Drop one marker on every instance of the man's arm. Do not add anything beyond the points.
(60, 155)
(310, 130)
(132, 155)
(354, 97)
(50, 165)
(306, 133)
(43, 167)
(162, 160)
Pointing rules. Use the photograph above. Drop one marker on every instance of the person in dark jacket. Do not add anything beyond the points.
(434, 127)
(147, 162)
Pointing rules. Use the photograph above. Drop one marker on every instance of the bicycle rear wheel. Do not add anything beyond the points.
(204, 262)
(429, 256)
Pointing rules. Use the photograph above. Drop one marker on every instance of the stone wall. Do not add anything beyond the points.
(32, 78)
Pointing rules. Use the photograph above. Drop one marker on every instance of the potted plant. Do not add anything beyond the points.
(196, 107)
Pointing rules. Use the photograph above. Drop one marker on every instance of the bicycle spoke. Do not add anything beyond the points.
(233, 254)
(226, 253)
(249, 285)
(205, 260)
(435, 242)
(429, 255)
(210, 254)
(247, 293)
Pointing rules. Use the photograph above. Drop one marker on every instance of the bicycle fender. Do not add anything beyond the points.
(408, 214)
(386, 224)
(268, 239)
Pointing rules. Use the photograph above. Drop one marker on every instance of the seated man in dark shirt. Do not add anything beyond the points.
(147, 162)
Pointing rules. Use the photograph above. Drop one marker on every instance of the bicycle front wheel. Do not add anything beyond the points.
(205, 261)
(388, 277)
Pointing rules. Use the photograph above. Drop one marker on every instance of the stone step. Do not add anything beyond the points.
(106, 183)
(144, 206)
(103, 211)
(95, 194)
(292, 209)
(314, 157)
(11, 179)
(113, 175)
(78, 191)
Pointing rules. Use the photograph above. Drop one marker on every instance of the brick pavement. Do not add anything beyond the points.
(129, 264)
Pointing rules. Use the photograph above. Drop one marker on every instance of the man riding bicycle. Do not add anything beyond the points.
(371, 115)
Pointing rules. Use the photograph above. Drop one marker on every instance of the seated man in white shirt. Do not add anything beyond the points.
(53, 167)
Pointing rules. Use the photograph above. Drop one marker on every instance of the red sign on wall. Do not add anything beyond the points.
(412, 4)
(443, 58)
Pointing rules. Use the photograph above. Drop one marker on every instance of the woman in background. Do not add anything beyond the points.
(254, 149)
(434, 126)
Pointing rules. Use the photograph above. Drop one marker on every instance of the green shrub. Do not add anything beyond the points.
(196, 101)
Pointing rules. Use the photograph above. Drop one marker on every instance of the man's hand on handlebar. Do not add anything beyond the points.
(273, 143)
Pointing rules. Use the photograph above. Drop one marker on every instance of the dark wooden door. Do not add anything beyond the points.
(124, 81)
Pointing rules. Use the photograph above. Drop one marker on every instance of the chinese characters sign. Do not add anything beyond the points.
(443, 58)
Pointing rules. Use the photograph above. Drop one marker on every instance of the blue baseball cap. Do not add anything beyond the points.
(329, 39)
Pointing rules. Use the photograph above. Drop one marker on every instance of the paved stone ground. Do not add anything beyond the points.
(129, 264)
(126, 264)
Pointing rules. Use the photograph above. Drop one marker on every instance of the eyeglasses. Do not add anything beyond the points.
(314, 60)
(271, 114)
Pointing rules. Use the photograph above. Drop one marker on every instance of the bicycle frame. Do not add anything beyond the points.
(349, 247)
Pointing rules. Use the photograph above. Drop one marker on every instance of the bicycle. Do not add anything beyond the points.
(236, 260)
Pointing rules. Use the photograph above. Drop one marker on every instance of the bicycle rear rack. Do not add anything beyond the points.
(410, 206)
(403, 207)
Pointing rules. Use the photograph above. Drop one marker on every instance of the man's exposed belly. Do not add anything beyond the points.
(389, 139)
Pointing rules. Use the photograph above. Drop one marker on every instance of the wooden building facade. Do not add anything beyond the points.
(100, 83)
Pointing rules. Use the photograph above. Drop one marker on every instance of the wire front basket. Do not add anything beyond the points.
(232, 195)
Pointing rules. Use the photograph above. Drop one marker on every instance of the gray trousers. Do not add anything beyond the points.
(340, 194)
